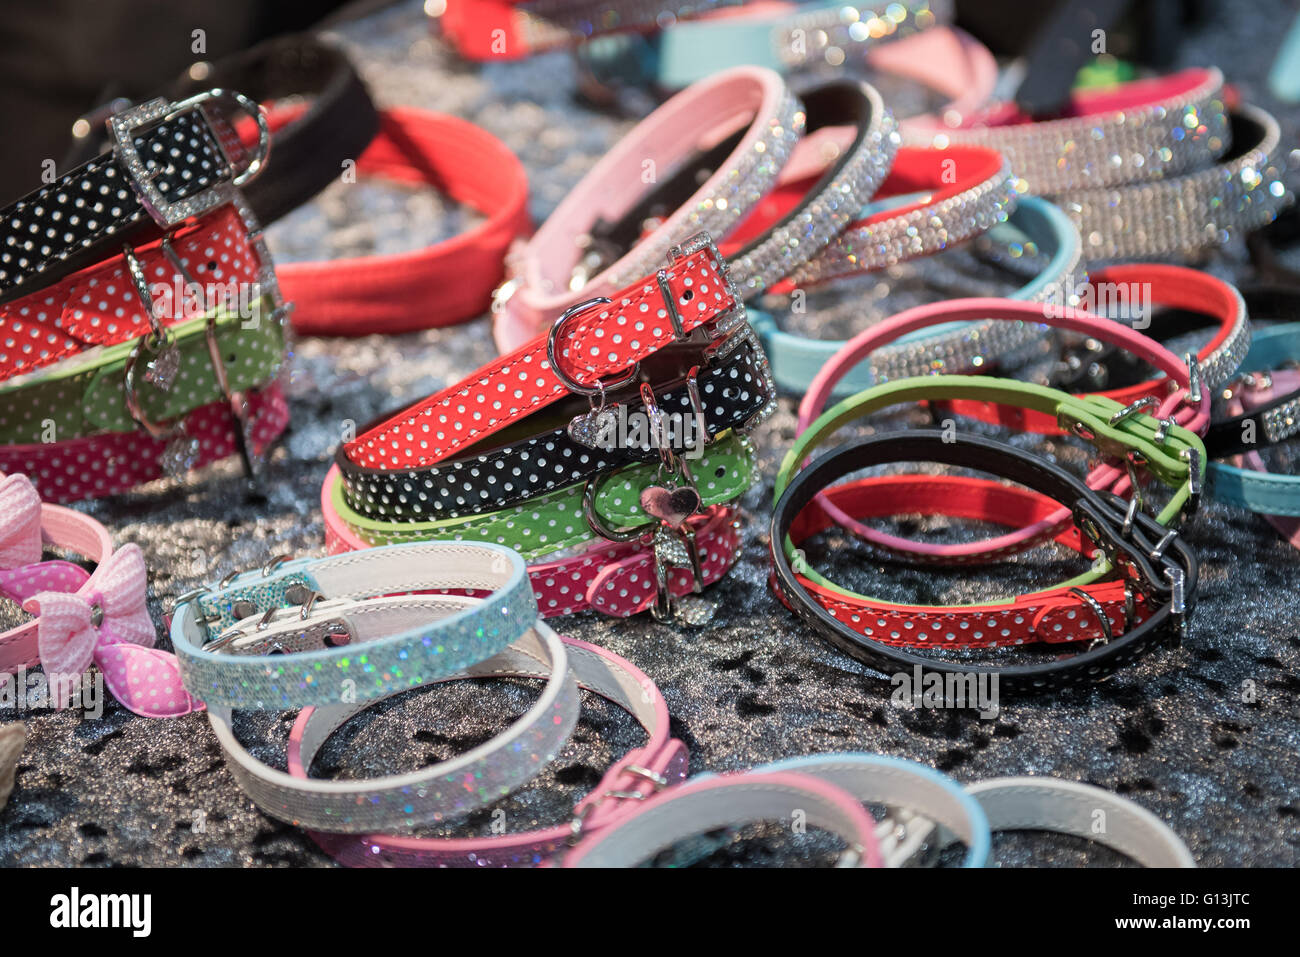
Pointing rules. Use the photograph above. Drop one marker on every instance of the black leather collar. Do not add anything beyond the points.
(1149, 554)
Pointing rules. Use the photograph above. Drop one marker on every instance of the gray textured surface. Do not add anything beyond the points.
(752, 686)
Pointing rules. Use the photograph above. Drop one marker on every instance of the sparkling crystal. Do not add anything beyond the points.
(180, 455)
(161, 371)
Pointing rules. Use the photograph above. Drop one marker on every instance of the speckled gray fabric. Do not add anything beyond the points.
(750, 686)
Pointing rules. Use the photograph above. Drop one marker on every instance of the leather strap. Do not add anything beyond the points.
(1081, 810)
(1136, 292)
(547, 275)
(557, 521)
(112, 389)
(1157, 128)
(169, 165)
(1178, 408)
(600, 343)
(391, 293)
(730, 800)
(402, 802)
(1146, 608)
(614, 578)
(915, 794)
(282, 637)
(736, 392)
(108, 463)
(796, 360)
(658, 763)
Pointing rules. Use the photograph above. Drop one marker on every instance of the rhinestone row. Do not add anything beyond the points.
(789, 247)
(746, 183)
(973, 345)
(1187, 213)
(920, 232)
(827, 35)
(1138, 145)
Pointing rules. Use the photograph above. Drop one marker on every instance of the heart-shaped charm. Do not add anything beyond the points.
(671, 505)
(595, 429)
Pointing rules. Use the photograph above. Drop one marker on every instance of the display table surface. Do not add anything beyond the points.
(1207, 737)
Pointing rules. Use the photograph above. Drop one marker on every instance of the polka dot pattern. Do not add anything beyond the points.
(113, 462)
(731, 392)
(146, 680)
(555, 521)
(93, 398)
(614, 578)
(100, 306)
(62, 225)
(598, 344)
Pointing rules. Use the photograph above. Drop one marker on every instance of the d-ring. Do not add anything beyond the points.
(573, 385)
(1101, 617)
(597, 524)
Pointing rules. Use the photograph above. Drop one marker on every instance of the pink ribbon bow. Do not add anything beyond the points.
(22, 573)
(105, 621)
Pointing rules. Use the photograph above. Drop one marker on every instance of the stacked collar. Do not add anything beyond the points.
(1201, 207)
(339, 634)
(1113, 620)
(1138, 131)
(133, 353)
(660, 762)
(515, 455)
(1185, 408)
(1151, 168)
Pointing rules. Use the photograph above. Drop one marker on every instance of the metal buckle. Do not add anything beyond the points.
(1146, 402)
(597, 524)
(656, 781)
(727, 323)
(502, 293)
(907, 839)
(169, 214)
(330, 632)
(1178, 609)
(1193, 378)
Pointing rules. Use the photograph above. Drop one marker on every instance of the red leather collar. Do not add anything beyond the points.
(440, 285)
